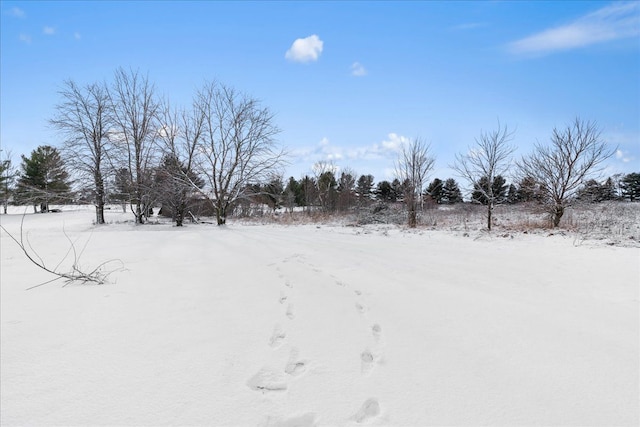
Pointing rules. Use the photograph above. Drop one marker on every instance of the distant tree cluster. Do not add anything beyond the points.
(123, 145)
(218, 156)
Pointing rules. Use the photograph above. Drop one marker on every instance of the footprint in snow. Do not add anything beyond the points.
(369, 409)
(295, 366)
(338, 281)
(288, 284)
(277, 337)
(289, 313)
(361, 308)
(366, 359)
(282, 298)
(357, 292)
(377, 331)
(266, 381)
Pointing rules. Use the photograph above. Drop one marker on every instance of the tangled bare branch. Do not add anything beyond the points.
(98, 275)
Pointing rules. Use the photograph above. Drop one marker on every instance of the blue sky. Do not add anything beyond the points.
(348, 81)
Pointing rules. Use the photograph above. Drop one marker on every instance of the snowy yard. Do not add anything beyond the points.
(314, 325)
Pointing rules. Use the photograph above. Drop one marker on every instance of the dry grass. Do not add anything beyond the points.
(614, 223)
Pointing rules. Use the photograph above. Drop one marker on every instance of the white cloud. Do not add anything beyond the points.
(25, 38)
(623, 156)
(305, 50)
(617, 21)
(358, 70)
(324, 151)
(16, 12)
(48, 30)
(394, 142)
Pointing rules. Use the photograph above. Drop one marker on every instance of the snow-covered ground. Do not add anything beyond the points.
(272, 325)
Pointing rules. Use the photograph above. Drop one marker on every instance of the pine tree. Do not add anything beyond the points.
(434, 190)
(173, 184)
(590, 192)
(272, 193)
(364, 189)
(451, 192)
(529, 190)
(123, 188)
(44, 179)
(512, 194)
(346, 190)
(327, 190)
(7, 176)
(630, 186)
(385, 192)
(609, 190)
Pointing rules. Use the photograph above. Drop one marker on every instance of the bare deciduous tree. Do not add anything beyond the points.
(575, 154)
(237, 147)
(412, 168)
(486, 160)
(83, 119)
(135, 109)
(180, 134)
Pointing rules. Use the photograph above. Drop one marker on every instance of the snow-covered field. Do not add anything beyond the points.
(273, 325)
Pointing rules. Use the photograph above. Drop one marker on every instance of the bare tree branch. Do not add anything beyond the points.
(83, 119)
(412, 168)
(77, 274)
(489, 158)
(135, 109)
(237, 146)
(574, 154)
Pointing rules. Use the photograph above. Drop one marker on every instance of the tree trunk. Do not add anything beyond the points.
(99, 199)
(489, 214)
(558, 211)
(221, 214)
(413, 215)
(179, 215)
(138, 214)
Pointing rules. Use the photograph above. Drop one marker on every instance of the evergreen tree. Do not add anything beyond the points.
(44, 179)
(309, 191)
(498, 190)
(529, 190)
(173, 183)
(272, 192)
(327, 186)
(294, 194)
(434, 190)
(123, 188)
(609, 190)
(512, 194)
(398, 188)
(385, 192)
(630, 186)
(7, 176)
(590, 192)
(594, 192)
(346, 189)
(451, 192)
(364, 188)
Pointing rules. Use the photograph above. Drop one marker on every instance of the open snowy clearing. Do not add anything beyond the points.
(316, 326)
